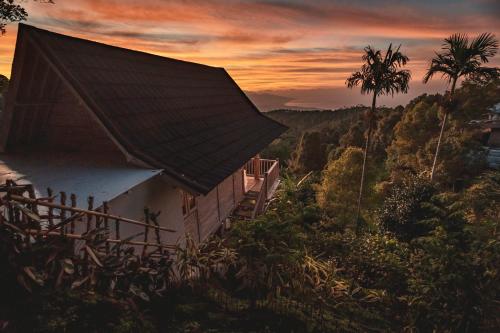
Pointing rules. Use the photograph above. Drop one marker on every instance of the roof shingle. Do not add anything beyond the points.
(191, 120)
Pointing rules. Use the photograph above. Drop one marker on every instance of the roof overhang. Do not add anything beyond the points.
(78, 174)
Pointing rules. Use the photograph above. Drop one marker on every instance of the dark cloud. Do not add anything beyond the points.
(160, 37)
(321, 70)
(299, 50)
(303, 8)
(333, 59)
(69, 23)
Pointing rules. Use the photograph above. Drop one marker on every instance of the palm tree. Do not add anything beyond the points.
(461, 58)
(379, 75)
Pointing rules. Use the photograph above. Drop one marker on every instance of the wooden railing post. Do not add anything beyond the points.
(256, 167)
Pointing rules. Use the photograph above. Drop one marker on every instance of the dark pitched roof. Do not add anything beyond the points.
(191, 120)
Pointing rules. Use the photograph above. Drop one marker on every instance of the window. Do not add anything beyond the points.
(188, 203)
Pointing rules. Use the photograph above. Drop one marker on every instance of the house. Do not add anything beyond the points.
(134, 130)
(492, 126)
(491, 130)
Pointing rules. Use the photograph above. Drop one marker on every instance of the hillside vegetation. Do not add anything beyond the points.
(426, 258)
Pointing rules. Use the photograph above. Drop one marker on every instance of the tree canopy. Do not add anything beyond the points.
(10, 12)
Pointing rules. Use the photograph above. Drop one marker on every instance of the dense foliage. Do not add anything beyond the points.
(426, 259)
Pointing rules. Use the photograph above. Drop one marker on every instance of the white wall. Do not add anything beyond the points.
(218, 204)
(157, 195)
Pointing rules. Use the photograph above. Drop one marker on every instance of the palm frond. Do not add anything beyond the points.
(485, 46)
(381, 74)
(485, 74)
(461, 57)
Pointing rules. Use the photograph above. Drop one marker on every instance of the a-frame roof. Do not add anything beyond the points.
(191, 120)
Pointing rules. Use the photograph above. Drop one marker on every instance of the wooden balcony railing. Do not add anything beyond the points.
(269, 173)
(264, 166)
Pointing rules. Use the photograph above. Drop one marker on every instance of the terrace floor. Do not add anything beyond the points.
(252, 184)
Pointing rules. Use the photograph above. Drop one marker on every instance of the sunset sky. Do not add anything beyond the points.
(297, 53)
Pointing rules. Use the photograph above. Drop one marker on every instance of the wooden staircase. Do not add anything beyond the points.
(246, 208)
(259, 189)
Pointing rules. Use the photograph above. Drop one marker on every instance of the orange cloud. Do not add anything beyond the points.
(266, 45)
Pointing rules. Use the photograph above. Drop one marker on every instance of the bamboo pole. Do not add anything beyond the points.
(105, 210)
(90, 202)
(50, 217)
(154, 219)
(73, 205)
(79, 210)
(117, 235)
(63, 211)
(77, 236)
(31, 194)
(146, 231)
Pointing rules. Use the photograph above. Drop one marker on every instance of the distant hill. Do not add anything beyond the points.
(266, 101)
(315, 120)
(309, 121)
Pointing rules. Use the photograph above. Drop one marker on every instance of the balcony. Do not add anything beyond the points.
(261, 178)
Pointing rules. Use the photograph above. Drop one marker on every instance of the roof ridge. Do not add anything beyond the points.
(60, 35)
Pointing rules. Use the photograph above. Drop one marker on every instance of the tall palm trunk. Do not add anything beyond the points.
(452, 92)
(365, 156)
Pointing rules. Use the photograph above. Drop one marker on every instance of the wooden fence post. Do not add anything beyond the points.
(62, 214)
(105, 210)
(50, 213)
(117, 235)
(31, 194)
(146, 231)
(154, 219)
(90, 202)
(72, 198)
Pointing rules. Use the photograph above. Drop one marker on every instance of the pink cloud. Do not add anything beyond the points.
(268, 46)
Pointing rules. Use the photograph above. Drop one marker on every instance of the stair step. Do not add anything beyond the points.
(243, 213)
(249, 204)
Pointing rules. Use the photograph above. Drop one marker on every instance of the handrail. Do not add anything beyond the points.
(269, 178)
(264, 166)
(261, 198)
(272, 176)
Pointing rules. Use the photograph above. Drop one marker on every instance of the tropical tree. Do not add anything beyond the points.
(310, 154)
(336, 194)
(461, 58)
(10, 11)
(379, 75)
